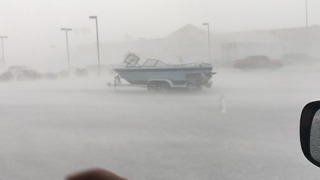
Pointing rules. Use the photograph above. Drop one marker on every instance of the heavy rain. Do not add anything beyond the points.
(61, 113)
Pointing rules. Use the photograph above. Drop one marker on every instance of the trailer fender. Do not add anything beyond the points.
(161, 80)
(159, 85)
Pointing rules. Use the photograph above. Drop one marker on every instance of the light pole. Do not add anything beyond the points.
(2, 46)
(209, 43)
(98, 49)
(68, 55)
(307, 22)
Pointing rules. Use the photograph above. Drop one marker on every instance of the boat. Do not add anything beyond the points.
(157, 75)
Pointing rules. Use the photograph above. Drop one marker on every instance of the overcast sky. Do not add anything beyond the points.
(150, 18)
(39, 21)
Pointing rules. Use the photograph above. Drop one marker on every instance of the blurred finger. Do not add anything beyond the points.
(94, 174)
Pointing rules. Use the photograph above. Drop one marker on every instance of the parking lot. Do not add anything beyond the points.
(245, 127)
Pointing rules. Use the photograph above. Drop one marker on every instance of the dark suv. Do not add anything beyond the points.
(256, 62)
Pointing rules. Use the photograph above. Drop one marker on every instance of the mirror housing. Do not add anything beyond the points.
(306, 122)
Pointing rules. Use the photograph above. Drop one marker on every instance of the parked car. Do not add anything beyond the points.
(81, 72)
(257, 62)
(28, 74)
(64, 73)
(20, 73)
(6, 76)
(50, 75)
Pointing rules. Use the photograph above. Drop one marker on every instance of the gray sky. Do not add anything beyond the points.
(150, 18)
(38, 22)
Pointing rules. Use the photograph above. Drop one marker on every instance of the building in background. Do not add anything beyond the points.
(189, 44)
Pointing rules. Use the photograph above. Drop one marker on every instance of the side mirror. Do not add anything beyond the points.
(310, 132)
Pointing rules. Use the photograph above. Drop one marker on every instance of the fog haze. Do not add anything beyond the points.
(52, 128)
(35, 38)
(246, 126)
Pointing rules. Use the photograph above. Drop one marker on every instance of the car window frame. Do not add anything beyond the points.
(306, 120)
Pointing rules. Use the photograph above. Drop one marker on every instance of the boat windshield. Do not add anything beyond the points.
(154, 63)
(132, 60)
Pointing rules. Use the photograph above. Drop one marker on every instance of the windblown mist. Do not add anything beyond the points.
(51, 128)
(246, 126)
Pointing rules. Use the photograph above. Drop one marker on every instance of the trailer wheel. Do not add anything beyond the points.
(164, 87)
(158, 86)
(191, 87)
(152, 87)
